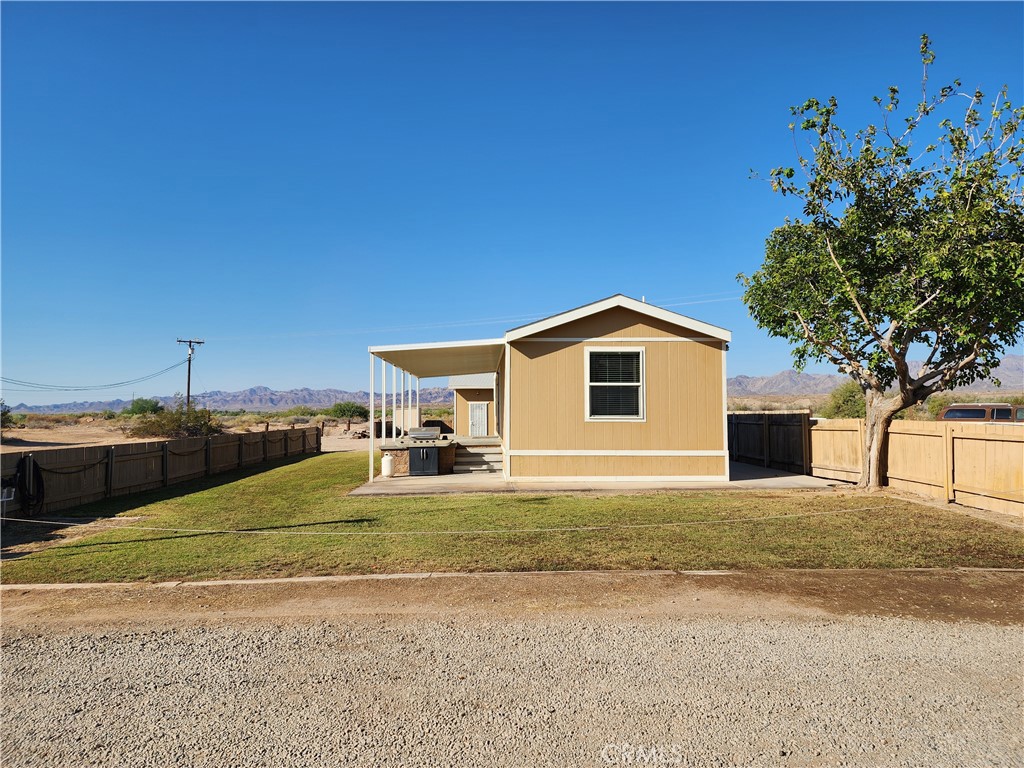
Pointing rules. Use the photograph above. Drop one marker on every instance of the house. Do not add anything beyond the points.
(614, 390)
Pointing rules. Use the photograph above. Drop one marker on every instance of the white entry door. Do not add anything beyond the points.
(478, 419)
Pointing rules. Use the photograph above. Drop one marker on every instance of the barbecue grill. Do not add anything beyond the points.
(420, 434)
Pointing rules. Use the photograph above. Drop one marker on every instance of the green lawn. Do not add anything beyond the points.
(310, 496)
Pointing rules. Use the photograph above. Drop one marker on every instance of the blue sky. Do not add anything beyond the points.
(296, 181)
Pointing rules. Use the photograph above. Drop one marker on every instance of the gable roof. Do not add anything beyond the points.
(618, 300)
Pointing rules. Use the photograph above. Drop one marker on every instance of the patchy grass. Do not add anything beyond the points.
(662, 530)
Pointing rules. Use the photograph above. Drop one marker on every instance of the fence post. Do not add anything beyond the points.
(303, 442)
(165, 464)
(110, 471)
(949, 461)
(265, 447)
(241, 448)
(765, 439)
(319, 437)
(805, 436)
(209, 456)
(287, 439)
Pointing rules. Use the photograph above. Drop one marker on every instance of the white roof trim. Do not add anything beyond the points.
(435, 345)
(446, 358)
(618, 301)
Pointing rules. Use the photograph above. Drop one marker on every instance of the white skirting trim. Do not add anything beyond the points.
(622, 479)
(718, 454)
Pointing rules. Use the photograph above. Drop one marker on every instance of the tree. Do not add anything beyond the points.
(349, 410)
(142, 405)
(181, 421)
(905, 245)
(6, 419)
(845, 402)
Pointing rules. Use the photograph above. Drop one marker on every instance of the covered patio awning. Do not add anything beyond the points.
(447, 358)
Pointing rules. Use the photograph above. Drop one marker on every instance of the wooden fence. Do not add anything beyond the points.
(778, 439)
(978, 465)
(76, 476)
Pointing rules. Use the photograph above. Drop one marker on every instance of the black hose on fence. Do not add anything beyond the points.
(28, 479)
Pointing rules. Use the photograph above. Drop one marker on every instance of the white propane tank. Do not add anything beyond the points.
(387, 465)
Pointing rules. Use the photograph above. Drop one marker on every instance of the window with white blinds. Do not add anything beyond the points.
(615, 383)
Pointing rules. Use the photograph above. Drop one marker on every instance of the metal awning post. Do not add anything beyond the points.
(373, 397)
(394, 399)
(419, 418)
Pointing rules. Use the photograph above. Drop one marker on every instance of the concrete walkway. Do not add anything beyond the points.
(745, 477)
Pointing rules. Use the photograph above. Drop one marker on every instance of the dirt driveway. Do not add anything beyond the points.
(815, 668)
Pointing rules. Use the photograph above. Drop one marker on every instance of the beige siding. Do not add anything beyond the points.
(683, 396)
(618, 466)
(616, 322)
(682, 390)
(463, 397)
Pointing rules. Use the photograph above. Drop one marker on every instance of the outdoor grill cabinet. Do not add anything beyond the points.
(423, 461)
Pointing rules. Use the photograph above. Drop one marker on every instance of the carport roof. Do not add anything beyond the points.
(445, 358)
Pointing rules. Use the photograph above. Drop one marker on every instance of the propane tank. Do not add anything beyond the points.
(387, 465)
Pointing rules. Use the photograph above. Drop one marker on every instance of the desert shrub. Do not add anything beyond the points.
(845, 402)
(174, 423)
(6, 419)
(299, 410)
(244, 420)
(142, 405)
(50, 420)
(348, 411)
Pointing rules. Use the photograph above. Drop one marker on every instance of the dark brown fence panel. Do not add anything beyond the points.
(224, 453)
(276, 444)
(252, 448)
(777, 439)
(76, 476)
(136, 467)
(186, 459)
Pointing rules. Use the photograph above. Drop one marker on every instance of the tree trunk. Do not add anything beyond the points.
(879, 413)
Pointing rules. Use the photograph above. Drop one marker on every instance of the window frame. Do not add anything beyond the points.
(641, 385)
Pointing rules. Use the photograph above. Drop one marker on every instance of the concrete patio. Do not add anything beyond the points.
(745, 477)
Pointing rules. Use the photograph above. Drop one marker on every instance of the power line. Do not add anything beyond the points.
(36, 387)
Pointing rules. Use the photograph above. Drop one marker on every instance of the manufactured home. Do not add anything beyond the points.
(614, 390)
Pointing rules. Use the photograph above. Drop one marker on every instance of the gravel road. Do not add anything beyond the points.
(521, 687)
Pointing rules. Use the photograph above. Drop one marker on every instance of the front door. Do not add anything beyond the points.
(478, 419)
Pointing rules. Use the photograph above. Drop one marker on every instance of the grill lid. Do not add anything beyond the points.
(424, 433)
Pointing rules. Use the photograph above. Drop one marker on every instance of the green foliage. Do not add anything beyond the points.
(912, 237)
(845, 402)
(6, 419)
(299, 410)
(142, 405)
(902, 244)
(348, 410)
(175, 423)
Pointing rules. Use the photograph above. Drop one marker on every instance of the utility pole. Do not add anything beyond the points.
(192, 344)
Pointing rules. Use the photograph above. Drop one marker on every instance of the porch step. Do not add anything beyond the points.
(477, 458)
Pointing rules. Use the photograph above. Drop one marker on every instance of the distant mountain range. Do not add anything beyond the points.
(1010, 372)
